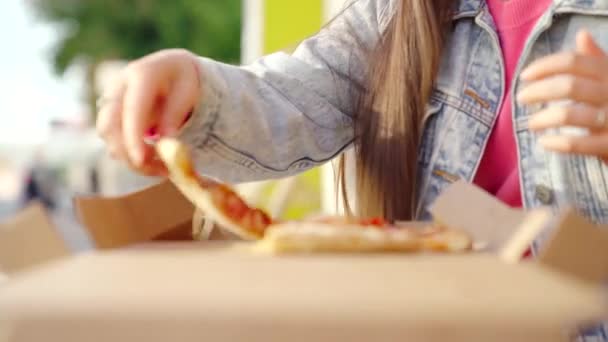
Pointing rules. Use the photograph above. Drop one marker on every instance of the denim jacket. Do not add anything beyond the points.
(287, 113)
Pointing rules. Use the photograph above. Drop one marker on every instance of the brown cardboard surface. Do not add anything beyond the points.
(212, 291)
(196, 292)
(28, 239)
(156, 212)
(532, 225)
(182, 232)
(579, 248)
(470, 208)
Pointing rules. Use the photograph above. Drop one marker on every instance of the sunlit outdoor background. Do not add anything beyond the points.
(58, 55)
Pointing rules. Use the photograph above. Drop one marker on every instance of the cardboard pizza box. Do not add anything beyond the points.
(574, 246)
(211, 291)
(158, 213)
(29, 238)
(220, 291)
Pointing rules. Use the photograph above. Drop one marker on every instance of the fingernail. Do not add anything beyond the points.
(525, 74)
(187, 117)
(152, 131)
(521, 97)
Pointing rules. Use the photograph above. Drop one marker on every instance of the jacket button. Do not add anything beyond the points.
(544, 194)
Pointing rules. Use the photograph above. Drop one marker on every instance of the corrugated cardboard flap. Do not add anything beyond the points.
(534, 223)
(156, 212)
(578, 248)
(465, 206)
(29, 239)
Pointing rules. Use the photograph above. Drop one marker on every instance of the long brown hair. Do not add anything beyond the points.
(388, 118)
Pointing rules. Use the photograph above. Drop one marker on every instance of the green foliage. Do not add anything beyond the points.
(97, 30)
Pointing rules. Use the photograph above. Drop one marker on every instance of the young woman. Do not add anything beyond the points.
(511, 95)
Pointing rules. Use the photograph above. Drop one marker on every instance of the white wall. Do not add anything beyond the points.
(253, 30)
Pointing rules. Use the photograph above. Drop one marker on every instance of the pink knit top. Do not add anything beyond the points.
(498, 172)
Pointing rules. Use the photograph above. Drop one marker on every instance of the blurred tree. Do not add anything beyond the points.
(97, 30)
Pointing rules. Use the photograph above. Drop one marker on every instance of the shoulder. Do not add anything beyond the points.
(385, 10)
(378, 12)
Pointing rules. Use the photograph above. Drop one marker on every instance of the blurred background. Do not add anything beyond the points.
(58, 55)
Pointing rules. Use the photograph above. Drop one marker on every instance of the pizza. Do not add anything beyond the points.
(221, 204)
(340, 236)
(217, 201)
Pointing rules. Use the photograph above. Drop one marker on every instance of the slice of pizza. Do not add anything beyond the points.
(323, 237)
(336, 236)
(224, 206)
(217, 201)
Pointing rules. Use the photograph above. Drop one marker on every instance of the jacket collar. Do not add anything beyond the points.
(471, 8)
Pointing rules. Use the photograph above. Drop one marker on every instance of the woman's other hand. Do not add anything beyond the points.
(581, 78)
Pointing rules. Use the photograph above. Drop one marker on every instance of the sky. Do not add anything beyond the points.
(30, 93)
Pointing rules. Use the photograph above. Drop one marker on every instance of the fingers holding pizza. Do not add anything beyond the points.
(224, 206)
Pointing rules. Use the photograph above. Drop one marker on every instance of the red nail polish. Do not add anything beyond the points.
(188, 116)
(152, 131)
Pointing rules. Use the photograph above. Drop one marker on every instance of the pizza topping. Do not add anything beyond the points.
(235, 206)
(217, 201)
(375, 221)
(255, 221)
(260, 220)
(237, 211)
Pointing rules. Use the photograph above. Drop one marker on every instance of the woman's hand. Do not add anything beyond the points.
(580, 77)
(152, 96)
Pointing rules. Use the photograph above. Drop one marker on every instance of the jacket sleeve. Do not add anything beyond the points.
(286, 112)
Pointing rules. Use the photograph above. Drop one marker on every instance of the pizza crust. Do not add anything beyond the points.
(448, 240)
(318, 237)
(307, 237)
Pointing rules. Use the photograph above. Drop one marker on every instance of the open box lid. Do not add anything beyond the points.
(576, 246)
(159, 212)
(29, 238)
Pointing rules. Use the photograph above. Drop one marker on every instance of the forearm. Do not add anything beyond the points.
(286, 112)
